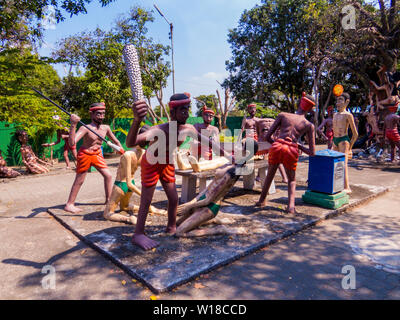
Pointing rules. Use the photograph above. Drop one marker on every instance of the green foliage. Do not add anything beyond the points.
(209, 101)
(19, 104)
(99, 53)
(268, 53)
(21, 20)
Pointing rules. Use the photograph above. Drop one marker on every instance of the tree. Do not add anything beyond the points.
(21, 20)
(18, 103)
(99, 53)
(269, 53)
(205, 100)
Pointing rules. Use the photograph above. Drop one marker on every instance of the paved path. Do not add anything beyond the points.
(307, 266)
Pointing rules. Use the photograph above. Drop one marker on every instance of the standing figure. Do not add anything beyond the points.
(263, 126)
(62, 133)
(341, 141)
(250, 123)
(90, 153)
(391, 92)
(199, 150)
(31, 161)
(372, 120)
(6, 172)
(285, 148)
(391, 132)
(157, 162)
(328, 125)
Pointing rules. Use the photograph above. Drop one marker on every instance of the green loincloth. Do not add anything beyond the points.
(212, 206)
(124, 186)
(337, 140)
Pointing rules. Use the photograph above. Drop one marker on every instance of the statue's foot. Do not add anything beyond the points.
(157, 211)
(71, 208)
(260, 204)
(132, 219)
(170, 229)
(291, 210)
(144, 242)
(348, 190)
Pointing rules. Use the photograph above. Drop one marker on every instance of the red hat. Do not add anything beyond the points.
(97, 106)
(206, 110)
(251, 105)
(179, 99)
(306, 102)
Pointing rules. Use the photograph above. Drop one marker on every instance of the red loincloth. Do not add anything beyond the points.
(329, 135)
(284, 151)
(393, 135)
(87, 158)
(151, 173)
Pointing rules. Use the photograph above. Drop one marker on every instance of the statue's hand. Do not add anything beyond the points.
(139, 109)
(74, 119)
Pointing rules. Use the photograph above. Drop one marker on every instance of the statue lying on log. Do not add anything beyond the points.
(206, 205)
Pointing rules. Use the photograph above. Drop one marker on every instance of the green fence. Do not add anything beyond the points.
(10, 147)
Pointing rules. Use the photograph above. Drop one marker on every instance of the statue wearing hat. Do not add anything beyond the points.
(285, 147)
(201, 150)
(157, 163)
(90, 153)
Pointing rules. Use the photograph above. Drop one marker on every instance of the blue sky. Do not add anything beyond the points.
(200, 36)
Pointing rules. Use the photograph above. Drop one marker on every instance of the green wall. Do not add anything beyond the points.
(10, 146)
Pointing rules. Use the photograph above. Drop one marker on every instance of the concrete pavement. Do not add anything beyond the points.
(306, 266)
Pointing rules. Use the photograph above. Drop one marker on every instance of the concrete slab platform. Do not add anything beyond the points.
(179, 260)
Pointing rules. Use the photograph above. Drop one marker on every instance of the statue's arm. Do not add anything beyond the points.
(353, 129)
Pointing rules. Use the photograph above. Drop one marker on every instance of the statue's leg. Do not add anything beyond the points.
(124, 203)
(291, 174)
(157, 211)
(199, 216)
(117, 195)
(344, 147)
(267, 184)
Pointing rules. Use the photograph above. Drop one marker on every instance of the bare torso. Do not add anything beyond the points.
(208, 131)
(328, 124)
(27, 154)
(250, 124)
(341, 122)
(134, 157)
(292, 126)
(392, 121)
(92, 141)
(182, 132)
(372, 120)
